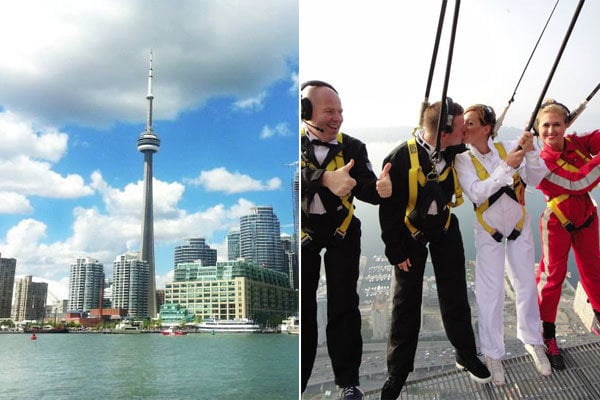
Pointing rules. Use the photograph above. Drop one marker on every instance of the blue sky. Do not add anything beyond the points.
(72, 105)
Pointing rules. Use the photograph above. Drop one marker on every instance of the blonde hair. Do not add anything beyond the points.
(551, 106)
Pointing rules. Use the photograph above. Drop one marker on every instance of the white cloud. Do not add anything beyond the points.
(14, 203)
(251, 103)
(29, 177)
(281, 129)
(81, 63)
(221, 180)
(19, 137)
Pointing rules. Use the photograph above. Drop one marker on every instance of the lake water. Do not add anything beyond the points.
(149, 366)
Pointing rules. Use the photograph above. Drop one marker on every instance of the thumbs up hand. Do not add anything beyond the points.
(384, 183)
(339, 182)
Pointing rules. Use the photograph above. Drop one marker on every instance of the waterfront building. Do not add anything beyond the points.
(260, 241)
(233, 245)
(232, 290)
(175, 315)
(148, 144)
(195, 249)
(30, 300)
(7, 281)
(86, 284)
(130, 284)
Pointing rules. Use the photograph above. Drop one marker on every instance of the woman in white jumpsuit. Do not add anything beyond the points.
(485, 176)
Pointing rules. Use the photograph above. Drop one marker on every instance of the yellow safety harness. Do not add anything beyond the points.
(517, 192)
(417, 178)
(553, 202)
(336, 163)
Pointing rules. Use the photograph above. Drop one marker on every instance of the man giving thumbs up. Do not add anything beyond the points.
(335, 169)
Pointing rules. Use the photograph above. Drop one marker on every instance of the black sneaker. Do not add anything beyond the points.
(351, 393)
(554, 355)
(393, 386)
(476, 369)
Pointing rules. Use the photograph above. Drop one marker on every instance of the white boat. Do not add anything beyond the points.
(228, 325)
(291, 325)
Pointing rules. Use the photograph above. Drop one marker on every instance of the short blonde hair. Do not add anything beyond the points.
(552, 106)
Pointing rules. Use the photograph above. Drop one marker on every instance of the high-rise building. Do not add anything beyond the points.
(232, 290)
(260, 241)
(30, 300)
(7, 281)
(195, 249)
(296, 206)
(148, 144)
(130, 284)
(233, 245)
(86, 284)
(290, 257)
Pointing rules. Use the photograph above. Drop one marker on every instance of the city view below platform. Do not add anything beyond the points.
(435, 357)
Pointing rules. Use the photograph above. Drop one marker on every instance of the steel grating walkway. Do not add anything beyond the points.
(580, 380)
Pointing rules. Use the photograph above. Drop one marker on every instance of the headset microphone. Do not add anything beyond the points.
(313, 126)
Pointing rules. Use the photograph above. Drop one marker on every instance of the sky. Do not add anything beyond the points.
(73, 102)
(377, 55)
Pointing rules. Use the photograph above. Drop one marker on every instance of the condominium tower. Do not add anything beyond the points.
(233, 245)
(194, 249)
(130, 285)
(86, 284)
(7, 281)
(260, 240)
(30, 300)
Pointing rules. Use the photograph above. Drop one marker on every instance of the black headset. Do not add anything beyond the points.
(489, 116)
(448, 117)
(305, 104)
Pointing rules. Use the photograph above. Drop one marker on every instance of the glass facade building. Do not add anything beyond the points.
(86, 284)
(260, 240)
(231, 290)
(131, 277)
(195, 249)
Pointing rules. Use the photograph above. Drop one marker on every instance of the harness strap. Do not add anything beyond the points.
(516, 192)
(553, 203)
(417, 178)
(336, 163)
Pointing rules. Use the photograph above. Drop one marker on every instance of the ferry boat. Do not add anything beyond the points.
(243, 325)
(291, 325)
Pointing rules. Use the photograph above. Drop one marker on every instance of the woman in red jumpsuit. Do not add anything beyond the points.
(570, 219)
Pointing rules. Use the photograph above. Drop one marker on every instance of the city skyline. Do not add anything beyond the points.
(73, 106)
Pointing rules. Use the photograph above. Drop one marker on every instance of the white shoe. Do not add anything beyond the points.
(496, 369)
(538, 353)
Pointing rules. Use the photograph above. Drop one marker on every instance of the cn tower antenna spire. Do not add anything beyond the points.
(149, 96)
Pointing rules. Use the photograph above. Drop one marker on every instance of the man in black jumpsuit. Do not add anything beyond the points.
(429, 223)
(335, 168)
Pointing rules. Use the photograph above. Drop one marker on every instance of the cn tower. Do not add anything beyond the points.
(148, 143)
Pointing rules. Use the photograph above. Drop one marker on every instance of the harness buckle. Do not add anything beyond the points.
(418, 236)
(339, 234)
(513, 235)
(569, 226)
(497, 236)
(432, 176)
(306, 240)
